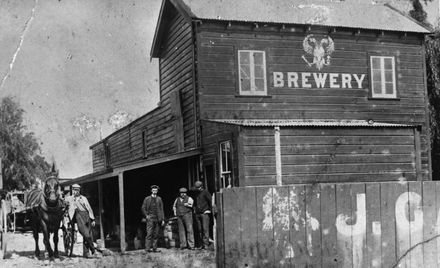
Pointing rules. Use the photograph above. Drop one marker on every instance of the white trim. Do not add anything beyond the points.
(279, 174)
(252, 91)
(228, 169)
(383, 93)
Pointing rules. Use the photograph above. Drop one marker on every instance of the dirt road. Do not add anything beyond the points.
(20, 253)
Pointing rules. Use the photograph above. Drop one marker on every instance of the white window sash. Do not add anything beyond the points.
(383, 93)
(252, 90)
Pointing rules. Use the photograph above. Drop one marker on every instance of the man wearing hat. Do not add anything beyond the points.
(152, 209)
(203, 210)
(183, 208)
(81, 213)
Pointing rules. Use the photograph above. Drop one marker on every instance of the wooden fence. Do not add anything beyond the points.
(330, 225)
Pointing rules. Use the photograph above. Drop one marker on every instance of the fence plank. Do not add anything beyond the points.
(389, 194)
(328, 229)
(313, 221)
(415, 217)
(249, 228)
(429, 223)
(281, 226)
(220, 227)
(437, 201)
(266, 256)
(232, 234)
(374, 231)
(297, 225)
(344, 226)
(359, 214)
(403, 238)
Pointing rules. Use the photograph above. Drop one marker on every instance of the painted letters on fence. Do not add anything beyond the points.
(349, 226)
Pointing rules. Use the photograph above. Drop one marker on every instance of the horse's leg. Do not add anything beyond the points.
(46, 234)
(55, 243)
(35, 233)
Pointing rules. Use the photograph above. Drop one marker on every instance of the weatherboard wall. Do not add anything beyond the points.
(177, 73)
(170, 128)
(218, 81)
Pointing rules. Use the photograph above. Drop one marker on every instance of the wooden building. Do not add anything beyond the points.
(273, 93)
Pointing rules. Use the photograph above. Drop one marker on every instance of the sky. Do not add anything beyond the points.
(80, 69)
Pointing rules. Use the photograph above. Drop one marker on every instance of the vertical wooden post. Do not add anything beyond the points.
(121, 211)
(189, 169)
(1, 174)
(101, 227)
(418, 157)
(278, 156)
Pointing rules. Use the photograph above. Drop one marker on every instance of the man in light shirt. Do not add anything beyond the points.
(81, 213)
(183, 209)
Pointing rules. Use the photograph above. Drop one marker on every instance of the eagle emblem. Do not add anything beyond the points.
(320, 51)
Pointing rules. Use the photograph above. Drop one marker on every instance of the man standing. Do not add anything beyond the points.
(81, 213)
(203, 211)
(183, 207)
(152, 209)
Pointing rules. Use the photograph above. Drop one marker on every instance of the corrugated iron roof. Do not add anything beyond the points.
(310, 12)
(306, 123)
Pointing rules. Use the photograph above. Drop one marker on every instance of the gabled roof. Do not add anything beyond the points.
(315, 12)
(302, 12)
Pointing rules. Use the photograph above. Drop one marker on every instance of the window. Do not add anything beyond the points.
(225, 164)
(252, 72)
(383, 78)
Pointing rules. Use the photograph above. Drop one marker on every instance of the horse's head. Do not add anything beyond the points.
(52, 189)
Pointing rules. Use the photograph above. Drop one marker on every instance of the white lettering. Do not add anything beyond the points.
(278, 79)
(359, 80)
(346, 80)
(320, 79)
(292, 77)
(316, 80)
(333, 81)
(305, 80)
(361, 218)
(354, 233)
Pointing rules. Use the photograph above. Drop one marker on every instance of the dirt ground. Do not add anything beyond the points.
(20, 253)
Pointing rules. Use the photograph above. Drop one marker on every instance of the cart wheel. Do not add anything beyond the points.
(3, 229)
(68, 240)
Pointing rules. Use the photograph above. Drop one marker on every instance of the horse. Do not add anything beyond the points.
(46, 212)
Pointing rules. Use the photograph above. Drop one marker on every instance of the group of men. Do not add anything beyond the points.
(81, 213)
(184, 208)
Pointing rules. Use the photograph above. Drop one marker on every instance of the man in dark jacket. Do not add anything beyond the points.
(152, 209)
(183, 209)
(203, 210)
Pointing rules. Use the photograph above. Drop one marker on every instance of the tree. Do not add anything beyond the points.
(418, 13)
(432, 45)
(19, 149)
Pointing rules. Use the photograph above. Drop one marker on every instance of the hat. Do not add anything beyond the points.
(76, 186)
(183, 190)
(154, 187)
(198, 184)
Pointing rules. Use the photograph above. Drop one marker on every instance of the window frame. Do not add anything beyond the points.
(252, 90)
(383, 94)
(223, 182)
